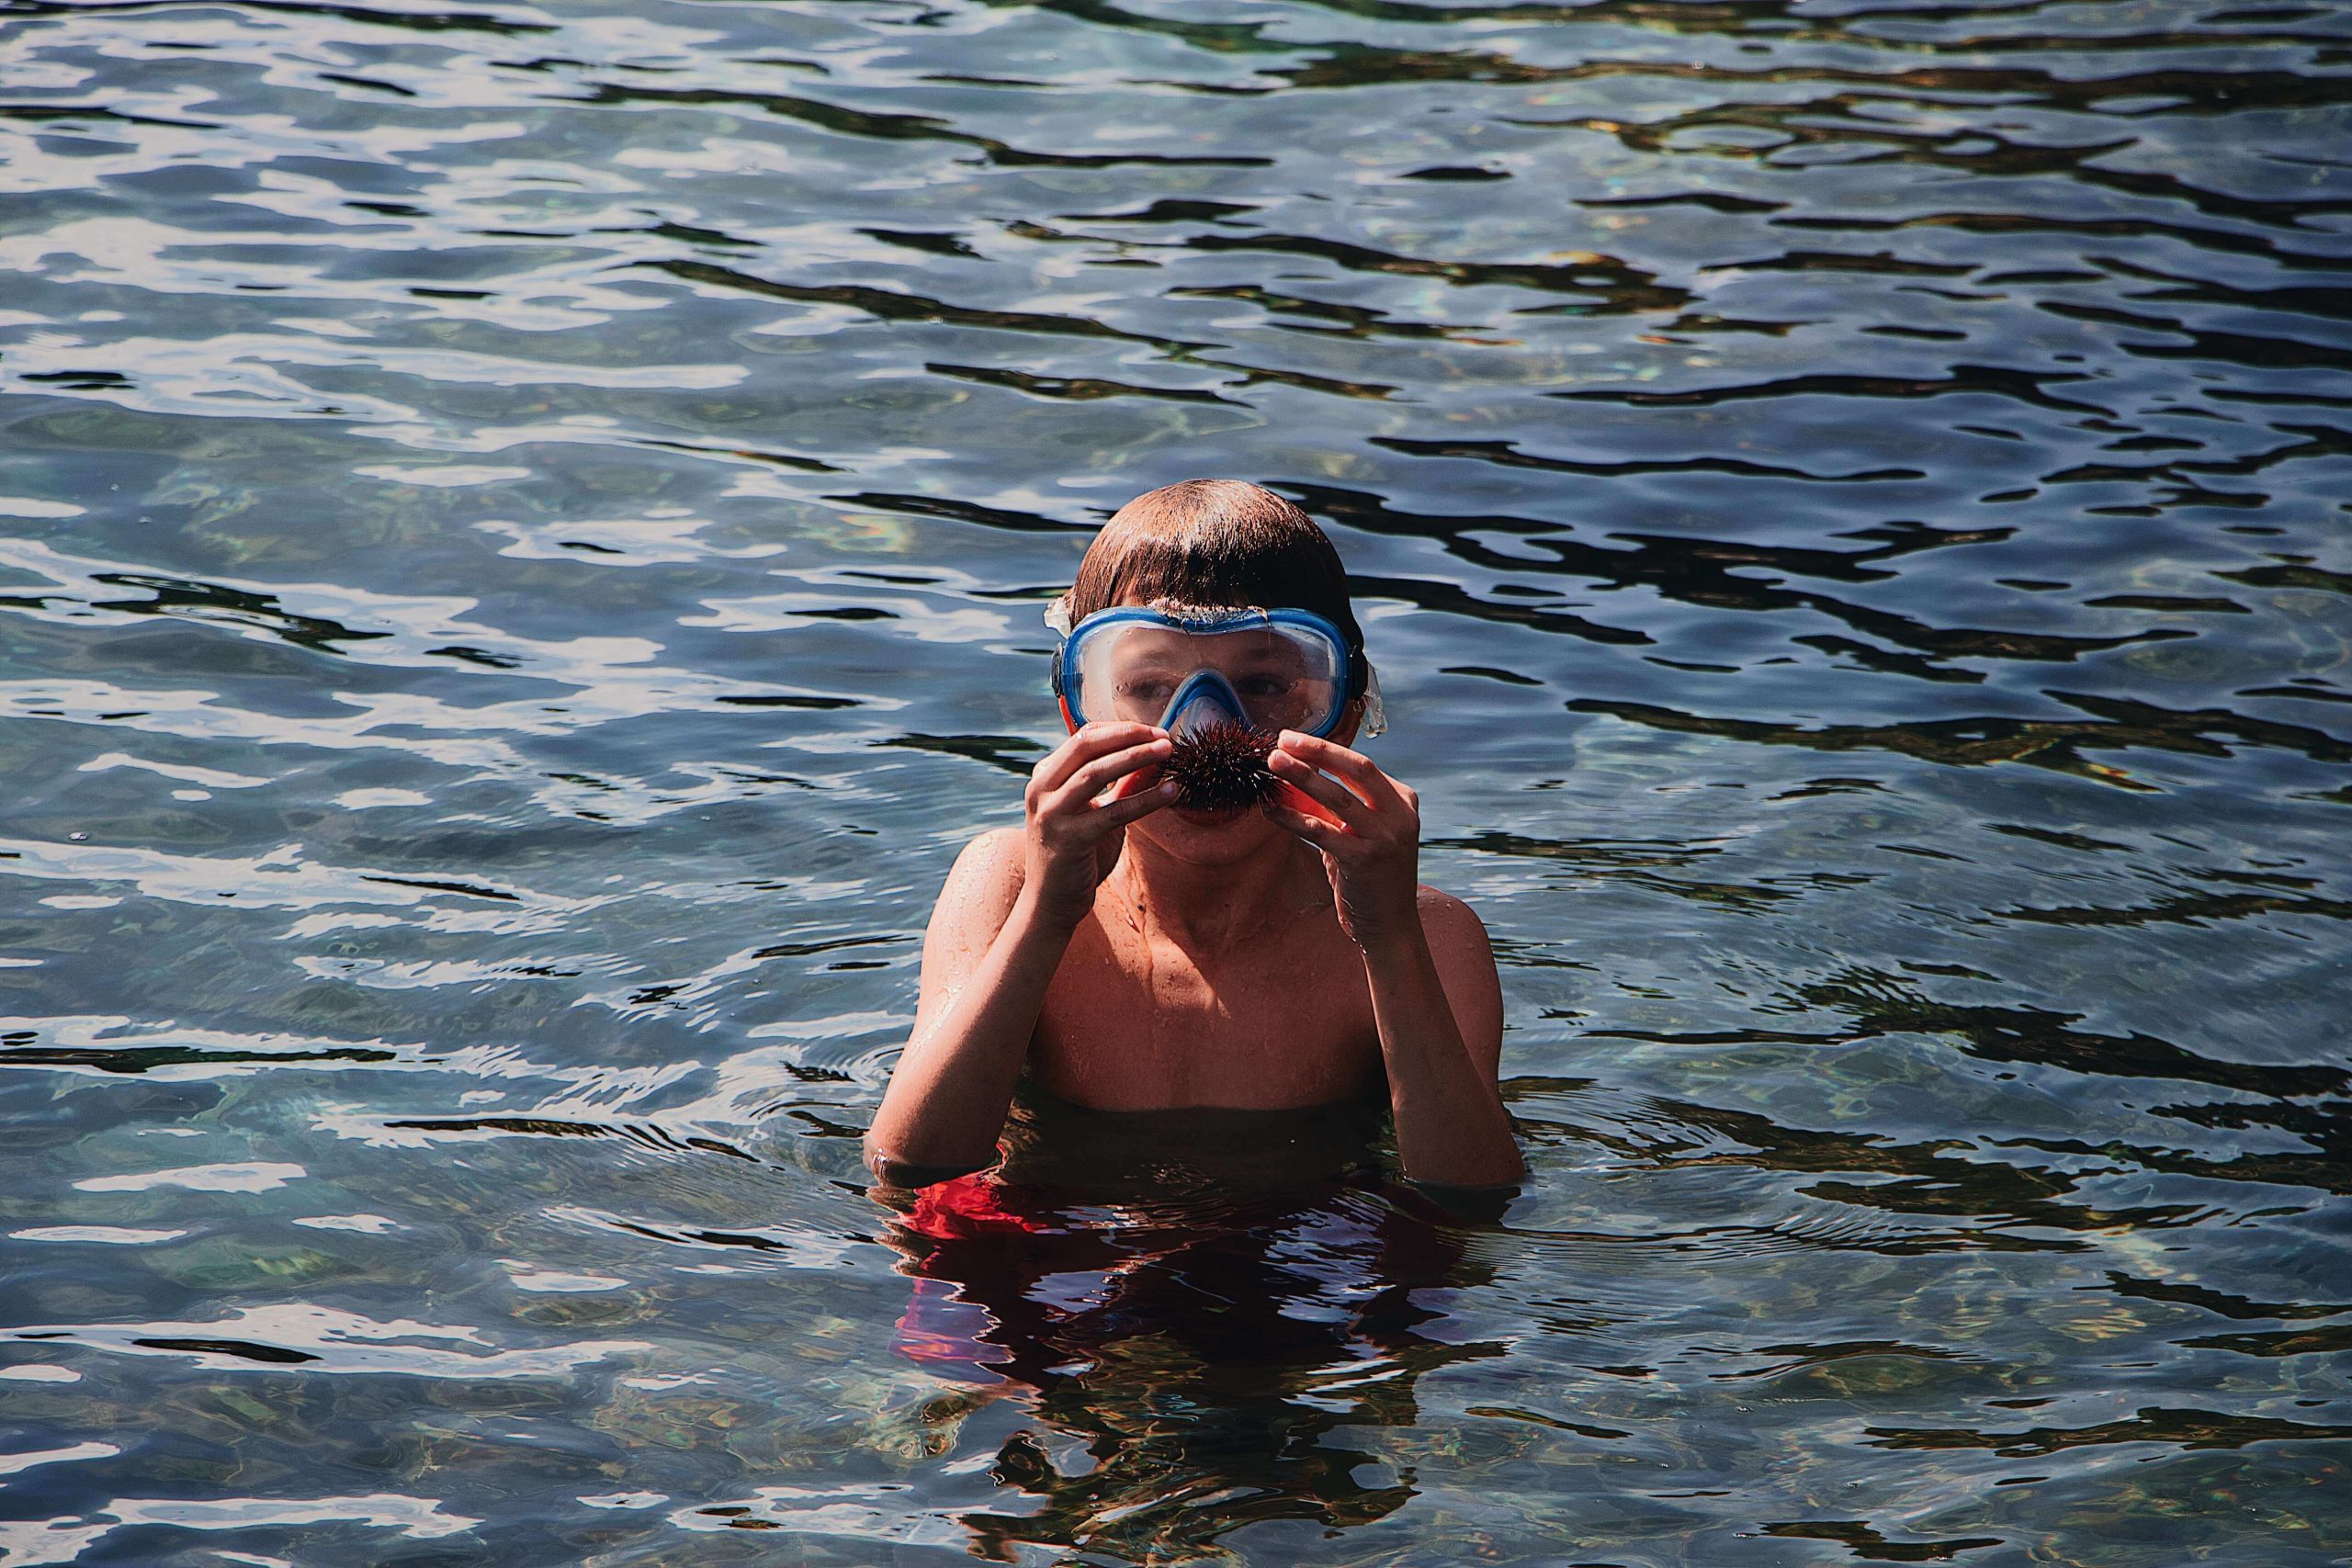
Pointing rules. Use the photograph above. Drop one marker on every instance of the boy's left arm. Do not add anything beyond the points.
(1439, 1005)
(1435, 996)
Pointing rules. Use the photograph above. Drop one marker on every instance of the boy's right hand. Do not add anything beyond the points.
(1072, 842)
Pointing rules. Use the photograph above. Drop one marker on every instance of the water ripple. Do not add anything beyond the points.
(522, 532)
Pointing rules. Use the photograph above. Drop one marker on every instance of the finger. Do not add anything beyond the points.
(1361, 773)
(1089, 780)
(1118, 813)
(1133, 783)
(1085, 744)
(1323, 835)
(1298, 800)
(1340, 801)
(1129, 784)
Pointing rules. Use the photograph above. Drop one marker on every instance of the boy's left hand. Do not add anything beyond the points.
(1373, 853)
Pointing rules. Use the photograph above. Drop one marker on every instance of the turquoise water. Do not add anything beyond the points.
(523, 542)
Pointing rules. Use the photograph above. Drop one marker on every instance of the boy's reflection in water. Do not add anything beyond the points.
(1202, 1298)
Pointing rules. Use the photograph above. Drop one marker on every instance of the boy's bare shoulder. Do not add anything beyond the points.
(972, 906)
(994, 863)
(1465, 968)
(1446, 917)
(997, 848)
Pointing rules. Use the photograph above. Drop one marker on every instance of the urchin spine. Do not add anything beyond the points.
(1221, 765)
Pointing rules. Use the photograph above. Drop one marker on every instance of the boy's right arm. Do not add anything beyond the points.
(948, 1094)
(996, 937)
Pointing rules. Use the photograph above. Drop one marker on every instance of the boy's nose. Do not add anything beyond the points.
(1205, 698)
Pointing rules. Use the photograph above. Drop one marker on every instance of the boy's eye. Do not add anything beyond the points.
(1265, 685)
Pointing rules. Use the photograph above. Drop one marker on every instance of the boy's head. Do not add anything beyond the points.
(1209, 542)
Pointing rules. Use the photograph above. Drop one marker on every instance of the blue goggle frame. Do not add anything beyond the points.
(1351, 680)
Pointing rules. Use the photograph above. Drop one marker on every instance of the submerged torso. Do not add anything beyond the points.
(1056, 1145)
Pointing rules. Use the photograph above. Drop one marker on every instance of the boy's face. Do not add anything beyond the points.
(1232, 834)
(1276, 683)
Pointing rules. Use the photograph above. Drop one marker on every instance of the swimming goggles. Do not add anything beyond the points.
(1180, 668)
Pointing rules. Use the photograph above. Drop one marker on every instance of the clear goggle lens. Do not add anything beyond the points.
(1287, 668)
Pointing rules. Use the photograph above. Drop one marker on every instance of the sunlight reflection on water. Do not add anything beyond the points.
(524, 532)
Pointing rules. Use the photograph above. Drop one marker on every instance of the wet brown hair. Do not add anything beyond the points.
(1217, 542)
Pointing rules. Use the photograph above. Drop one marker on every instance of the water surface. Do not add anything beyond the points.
(522, 537)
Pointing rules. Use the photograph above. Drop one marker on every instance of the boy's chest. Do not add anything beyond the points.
(1133, 1024)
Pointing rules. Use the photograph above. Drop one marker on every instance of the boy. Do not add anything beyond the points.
(1129, 953)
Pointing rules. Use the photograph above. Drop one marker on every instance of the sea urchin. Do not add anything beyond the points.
(1221, 765)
